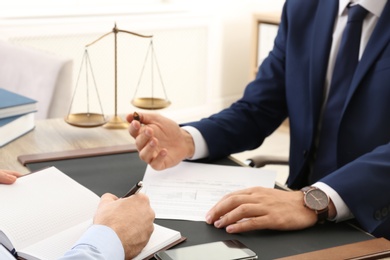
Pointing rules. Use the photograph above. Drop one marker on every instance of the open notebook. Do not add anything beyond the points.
(43, 214)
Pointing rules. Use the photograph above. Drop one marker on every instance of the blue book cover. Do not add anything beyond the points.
(12, 104)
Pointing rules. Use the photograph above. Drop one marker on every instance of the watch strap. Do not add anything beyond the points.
(322, 215)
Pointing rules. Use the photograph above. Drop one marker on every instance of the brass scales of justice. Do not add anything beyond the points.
(90, 119)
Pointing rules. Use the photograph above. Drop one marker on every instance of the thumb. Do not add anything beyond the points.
(107, 198)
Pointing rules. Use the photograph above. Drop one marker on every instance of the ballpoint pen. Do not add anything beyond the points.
(135, 189)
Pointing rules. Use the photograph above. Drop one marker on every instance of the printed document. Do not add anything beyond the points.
(188, 190)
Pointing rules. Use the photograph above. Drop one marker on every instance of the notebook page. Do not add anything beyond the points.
(55, 246)
(161, 237)
(41, 204)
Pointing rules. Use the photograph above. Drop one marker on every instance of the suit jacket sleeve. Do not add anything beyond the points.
(290, 84)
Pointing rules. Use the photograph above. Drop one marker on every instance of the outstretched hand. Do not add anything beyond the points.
(160, 141)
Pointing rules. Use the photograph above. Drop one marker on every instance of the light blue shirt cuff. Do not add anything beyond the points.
(342, 210)
(98, 242)
(201, 149)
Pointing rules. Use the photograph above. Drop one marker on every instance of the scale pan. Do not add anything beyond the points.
(85, 119)
(150, 103)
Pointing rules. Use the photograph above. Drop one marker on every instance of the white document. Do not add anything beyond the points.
(188, 190)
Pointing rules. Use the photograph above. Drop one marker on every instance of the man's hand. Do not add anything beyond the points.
(131, 218)
(261, 208)
(160, 141)
(8, 177)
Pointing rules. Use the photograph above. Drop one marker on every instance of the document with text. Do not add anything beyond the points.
(188, 190)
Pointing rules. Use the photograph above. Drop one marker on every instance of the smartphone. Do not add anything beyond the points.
(220, 250)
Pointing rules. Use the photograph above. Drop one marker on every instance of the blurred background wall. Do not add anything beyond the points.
(203, 48)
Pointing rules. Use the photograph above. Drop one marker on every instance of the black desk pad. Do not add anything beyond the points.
(118, 172)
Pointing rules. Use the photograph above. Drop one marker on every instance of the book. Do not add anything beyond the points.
(13, 104)
(15, 126)
(44, 213)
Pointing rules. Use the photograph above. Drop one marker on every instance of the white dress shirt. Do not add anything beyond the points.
(375, 9)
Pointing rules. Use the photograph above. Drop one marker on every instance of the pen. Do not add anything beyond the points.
(136, 117)
(135, 189)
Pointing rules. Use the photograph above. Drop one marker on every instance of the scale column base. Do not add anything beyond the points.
(116, 123)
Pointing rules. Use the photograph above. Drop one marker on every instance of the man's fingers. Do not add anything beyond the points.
(144, 137)
(134, 128)
(248, 225)
(148, 149)
(13, 173)
(7, 178)
(159, 162)
(233, 202)
(135, 116)
(107, 198)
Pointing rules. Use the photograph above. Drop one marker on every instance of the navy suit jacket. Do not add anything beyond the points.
(290, 83)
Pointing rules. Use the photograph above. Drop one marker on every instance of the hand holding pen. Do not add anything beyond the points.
(135, 189)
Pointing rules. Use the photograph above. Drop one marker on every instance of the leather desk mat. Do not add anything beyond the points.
(116, 172)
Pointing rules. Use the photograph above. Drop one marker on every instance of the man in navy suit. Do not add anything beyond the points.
(353, 168)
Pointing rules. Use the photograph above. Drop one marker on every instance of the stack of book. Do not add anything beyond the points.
(17, 115)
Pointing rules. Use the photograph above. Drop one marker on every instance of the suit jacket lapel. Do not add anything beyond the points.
(379, 39)
(319, 54)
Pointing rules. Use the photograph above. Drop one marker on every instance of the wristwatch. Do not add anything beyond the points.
(316, 200)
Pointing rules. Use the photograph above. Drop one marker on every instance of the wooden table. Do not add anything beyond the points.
(55, 135)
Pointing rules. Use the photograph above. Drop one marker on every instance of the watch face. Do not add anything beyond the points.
(316, 199)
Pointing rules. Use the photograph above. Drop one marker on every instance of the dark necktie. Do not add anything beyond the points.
(346, 62)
